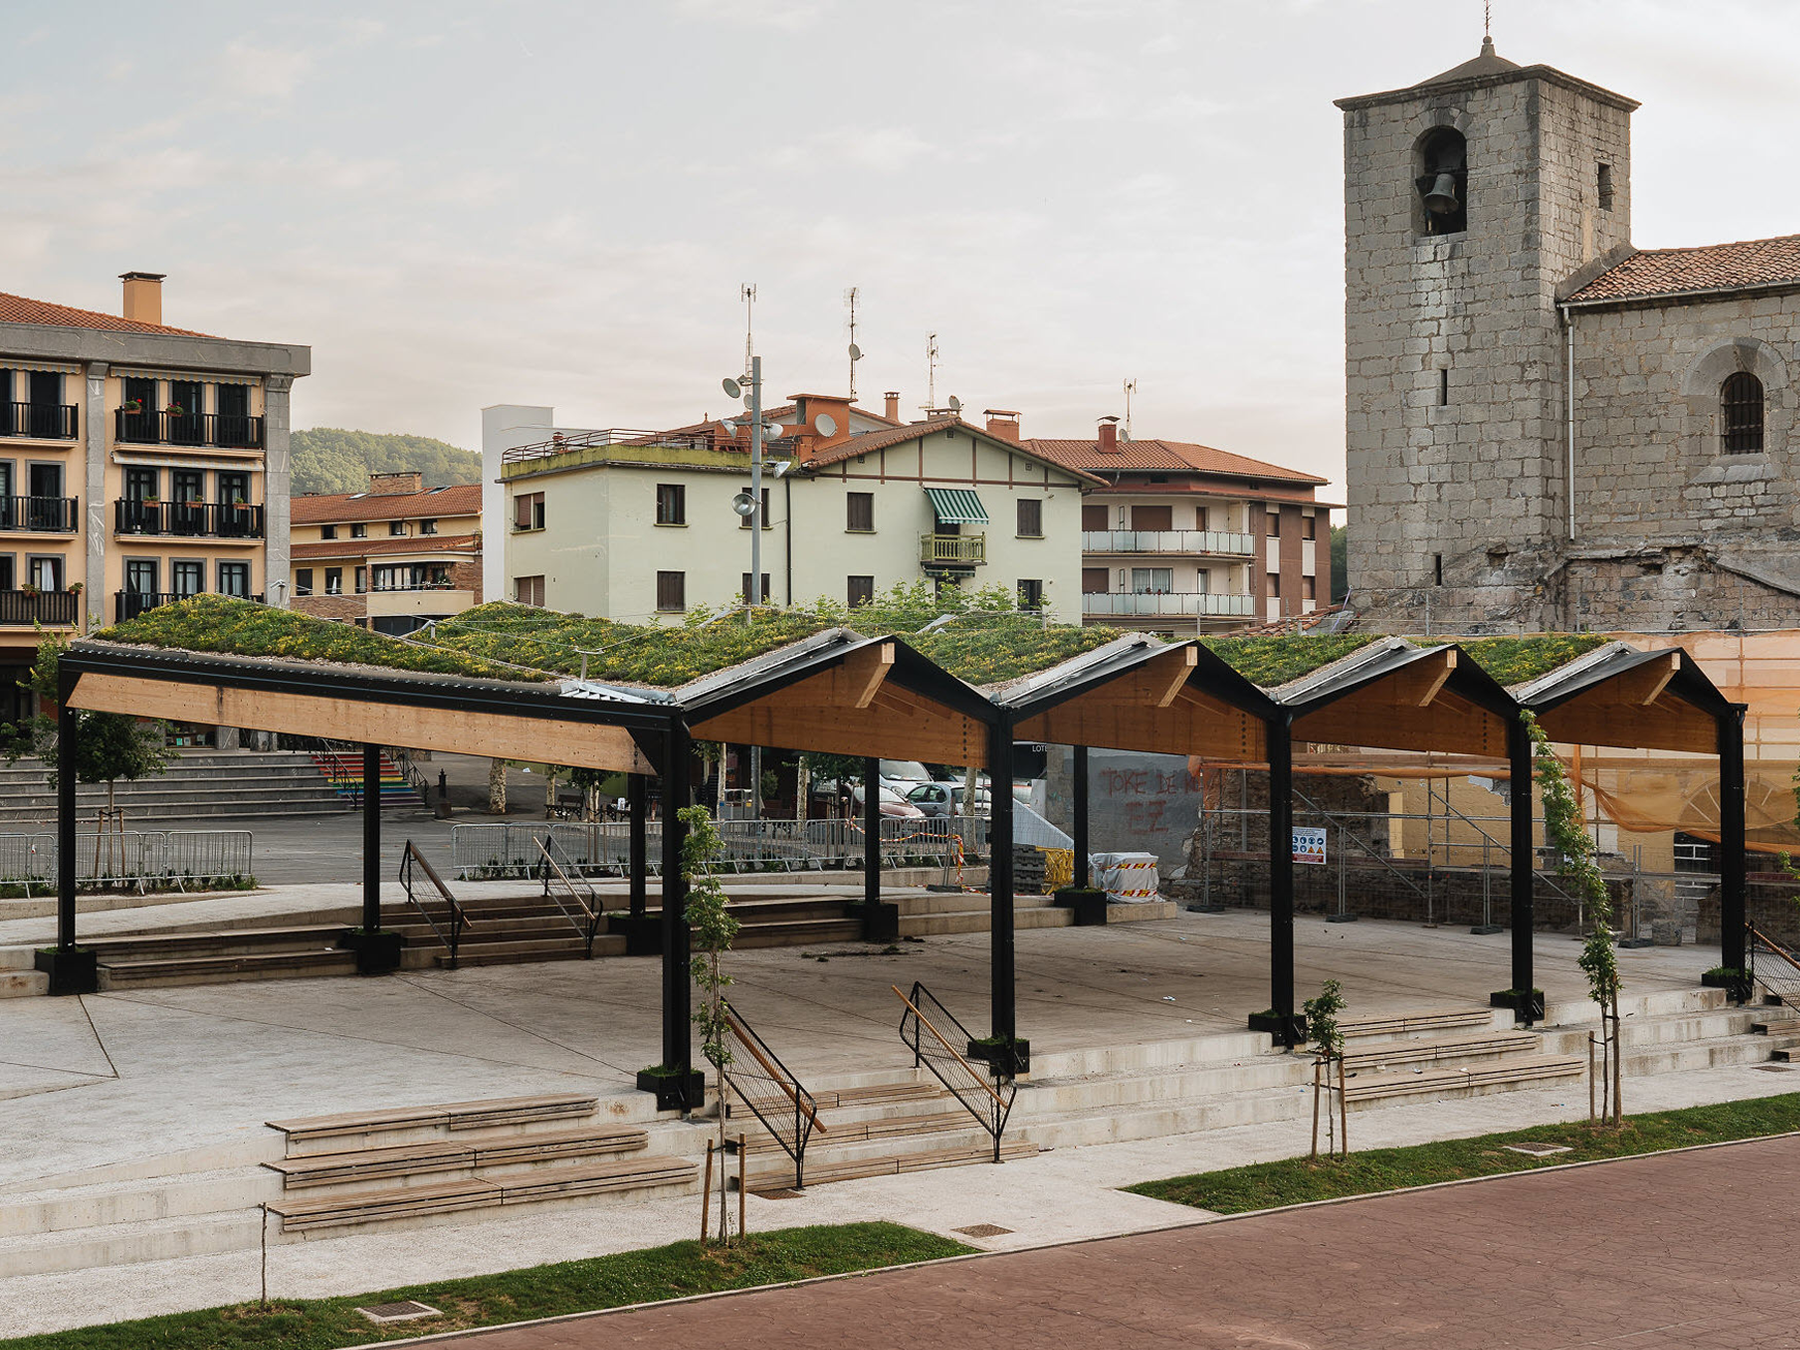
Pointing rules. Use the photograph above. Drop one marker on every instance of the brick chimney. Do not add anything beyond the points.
(396, 484)
(143, 295)
(1109, 436)
(893, 405)
(1004, 423)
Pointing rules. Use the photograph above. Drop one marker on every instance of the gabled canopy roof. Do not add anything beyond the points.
(1396, 696)
(1620, 696)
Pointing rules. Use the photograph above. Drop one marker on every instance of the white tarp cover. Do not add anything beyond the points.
(1127, 878)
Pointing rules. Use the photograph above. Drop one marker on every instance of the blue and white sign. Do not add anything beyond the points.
(1309, 846)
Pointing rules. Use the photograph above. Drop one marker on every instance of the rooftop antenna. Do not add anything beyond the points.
(1130, 389)
(747, 293)
(855, 351)
(1487, 19)
(931, 363)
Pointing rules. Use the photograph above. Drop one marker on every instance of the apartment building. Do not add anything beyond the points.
(390, 559)
(139, 463)
(640, 525)
(1180, 538)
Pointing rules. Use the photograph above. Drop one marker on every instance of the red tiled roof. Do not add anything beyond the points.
(462, 499)
(1160, 456)
(880, 440)
(1748, 265)
(1295, 496)
(371, 548)
(18, 309)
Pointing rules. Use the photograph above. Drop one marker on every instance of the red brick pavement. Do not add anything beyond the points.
(1687, 1249)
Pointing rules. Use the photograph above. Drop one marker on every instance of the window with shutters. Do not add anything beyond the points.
(671, 592)
(1031, 518)
(671, 504)
(529, 590)
(744, 587)
(859, 511)
(528, 511)
(1094, 579)
(861, 590)
(1153, 518)
(1093, 518)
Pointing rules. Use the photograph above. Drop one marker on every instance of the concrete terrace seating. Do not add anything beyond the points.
(454, 1116)
(213, 957)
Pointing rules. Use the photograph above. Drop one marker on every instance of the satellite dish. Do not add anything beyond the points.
(732, 388)
(825, 424)
(956, 405)
(855, 352)
(744, 504)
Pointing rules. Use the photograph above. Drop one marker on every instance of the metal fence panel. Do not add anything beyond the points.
(129, 856)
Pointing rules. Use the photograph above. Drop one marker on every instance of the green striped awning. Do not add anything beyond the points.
(957, 506)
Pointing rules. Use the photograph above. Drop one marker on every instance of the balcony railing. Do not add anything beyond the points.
(39, 421)
(191, 520)
(222, 431)
(130, 604)
(960, 550)
(49, 515)
(1168, 541)
(19, 608)
(1167, 604)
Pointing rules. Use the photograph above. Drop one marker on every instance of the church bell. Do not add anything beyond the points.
(1441, 200)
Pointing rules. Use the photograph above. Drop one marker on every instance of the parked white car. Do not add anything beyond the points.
(889, 803)
(947, 799)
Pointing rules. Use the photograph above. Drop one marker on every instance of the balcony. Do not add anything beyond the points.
(21, 609)
(40, 515)
(952, 550)
(1166, 605)
(38, 421)
(189, 520)
(1168, 541)
(218, 431)
(130, 604)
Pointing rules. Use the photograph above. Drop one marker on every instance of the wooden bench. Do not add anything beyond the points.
(859, 1131)
(445, 1155)
(1410, 1023)
(452, 1116)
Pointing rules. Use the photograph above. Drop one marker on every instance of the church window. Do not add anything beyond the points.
(1443, 387)
(1605, 187)
(1441, 182)
(1741, 413)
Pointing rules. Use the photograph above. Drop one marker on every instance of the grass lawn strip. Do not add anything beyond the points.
(680, 1270)
(1300, 1181)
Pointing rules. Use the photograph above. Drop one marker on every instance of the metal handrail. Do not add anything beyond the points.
(411, 857)
(1785, 983)
(777, 1074)
(590, 911)
(990, 1106)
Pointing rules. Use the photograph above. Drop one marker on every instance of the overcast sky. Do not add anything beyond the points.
(459, 204)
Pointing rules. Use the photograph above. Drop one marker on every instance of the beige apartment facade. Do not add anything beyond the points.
(641, 527)
(139, 463)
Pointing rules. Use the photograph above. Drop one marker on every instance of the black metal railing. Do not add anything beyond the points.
(228, 431)
(39, 421)
(51, 515)
(584, 899)
(45, 607)
(927, 1026)
(130, 604)
(1778, 972)
(210, 520)
(412, 860)
(758, 1078)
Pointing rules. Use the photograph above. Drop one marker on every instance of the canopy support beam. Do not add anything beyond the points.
(71, 969)
(1731, 838)
(1002, 1012)
(1081, 874)
(1281, 879)
(677, 1048)
(1524, 863)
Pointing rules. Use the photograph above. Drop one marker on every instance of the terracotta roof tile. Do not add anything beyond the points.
(1161, 455)
(19, 309)
(373, 548)
(461, 499)
(1747, 265)
(880, 440)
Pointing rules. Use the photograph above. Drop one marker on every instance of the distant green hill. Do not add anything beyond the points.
(330, 459)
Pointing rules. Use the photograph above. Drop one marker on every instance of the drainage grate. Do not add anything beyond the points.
(779, 1193)
(1538, 1150)
(406, 1310)
(982, 1230)
(1774, 1068)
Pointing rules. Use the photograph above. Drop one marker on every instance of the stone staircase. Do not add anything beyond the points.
(199, 785)
(161, 959)
(939, 914)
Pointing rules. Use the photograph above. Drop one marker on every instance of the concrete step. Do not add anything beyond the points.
(219, 942)
(1373, 1055)
(23, 983)
(1462, 1080)
(521, 953)
(226, 969)
(980, 921)
(402, 1164)
(1422, 1022)
(850, 1169)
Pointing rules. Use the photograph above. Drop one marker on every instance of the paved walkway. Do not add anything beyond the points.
(1682, 1250)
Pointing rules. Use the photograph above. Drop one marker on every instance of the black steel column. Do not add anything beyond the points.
(66, 734)
(1002, 1013)
(1080, 831)
(1731, 838)
(677, 994)
(1281, 875)
(371, 861)
(637, 796)
(871, 823)
(1524, 859)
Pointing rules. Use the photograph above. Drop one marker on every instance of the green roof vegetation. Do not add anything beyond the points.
(1269, 661)
(1515, 660)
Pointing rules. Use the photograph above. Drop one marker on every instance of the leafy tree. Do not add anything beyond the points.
(108, 746)
(714, 926)
(1340, 567)
(331, 459)
(1328, 1049)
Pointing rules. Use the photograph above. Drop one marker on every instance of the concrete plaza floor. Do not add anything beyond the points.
(116, 1081)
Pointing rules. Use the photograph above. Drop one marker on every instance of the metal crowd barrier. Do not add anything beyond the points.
(130, 856)
(492, 852)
